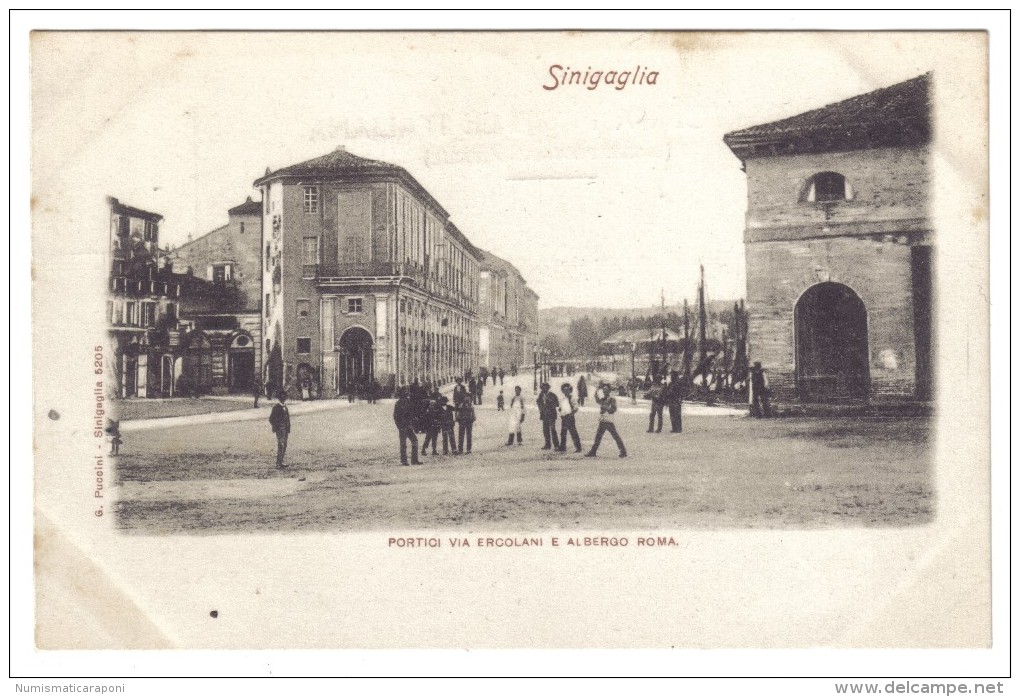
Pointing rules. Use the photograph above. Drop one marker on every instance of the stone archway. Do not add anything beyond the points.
(831, 336)
(241, 369)
(355, 354)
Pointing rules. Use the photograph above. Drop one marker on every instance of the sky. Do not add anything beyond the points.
(601, 197)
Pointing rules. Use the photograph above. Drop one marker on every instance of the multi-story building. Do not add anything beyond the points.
(507, 315)
(142, 307)
(222, 303)
(364, 278)
(839, 246)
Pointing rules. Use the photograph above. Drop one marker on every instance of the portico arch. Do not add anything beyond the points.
(831, 337)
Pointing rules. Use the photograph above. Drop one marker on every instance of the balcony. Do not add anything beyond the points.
(144, 287)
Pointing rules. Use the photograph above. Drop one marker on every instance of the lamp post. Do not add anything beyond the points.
(633, 364)
(535, 381)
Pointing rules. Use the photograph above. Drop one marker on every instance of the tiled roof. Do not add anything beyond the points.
(130, 211)
(343, 164)
(249, 207)
(891, 116)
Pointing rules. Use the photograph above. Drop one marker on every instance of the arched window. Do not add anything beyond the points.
(827, 187)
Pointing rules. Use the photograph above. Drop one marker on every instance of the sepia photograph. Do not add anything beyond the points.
(339, 324)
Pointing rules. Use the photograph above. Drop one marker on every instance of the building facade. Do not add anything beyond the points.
(839, 247)
(221, 304)
(142, 306)
(507, 315)
(364, 278)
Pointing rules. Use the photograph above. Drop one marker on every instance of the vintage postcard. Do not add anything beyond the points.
(510, 339)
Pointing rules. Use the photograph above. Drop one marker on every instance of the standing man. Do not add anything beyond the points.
(479, 389)
(279, 419)
(473, 390)
(675, 400)
(547, 407)
(607, 410)
(501, 374)
(459, 391)
(515, 417)
(658, 403)
(759, 392)
(403, 417)
(465, 425)
(256, 388)
(567, 409)
(582, 390)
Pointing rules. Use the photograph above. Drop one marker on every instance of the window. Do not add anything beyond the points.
(124, 226)
(221, 273)
(267, 303)
(268, 256)
(109, 312)
(171, 313)
(827, 187)
(150, 234)
(354, 305)
(242, 228)
(148, 314)
(311, 199)
(304, 345)
(130, 314)
(310, 257)
(304, 308)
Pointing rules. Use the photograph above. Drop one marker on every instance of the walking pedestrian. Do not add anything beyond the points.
(500, 401)
(494, 373)
(568, 409)
(501, 374)
(479, 389)
(465, 424)
(607, 410)
(658, 404)
(403, 417)
(547, 406)
(473, 390)
(515, 417)
(675, 401)
(759, 392)
(279, 419)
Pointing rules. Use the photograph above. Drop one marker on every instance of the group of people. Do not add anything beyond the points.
(424, 410)
(551, 407)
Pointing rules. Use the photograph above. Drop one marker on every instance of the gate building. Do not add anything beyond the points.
(839, 247)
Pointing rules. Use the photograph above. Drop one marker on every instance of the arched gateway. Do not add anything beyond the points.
(831, 328)
(354, 359)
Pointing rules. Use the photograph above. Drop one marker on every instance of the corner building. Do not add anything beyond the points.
(839, 248)
(365, 278)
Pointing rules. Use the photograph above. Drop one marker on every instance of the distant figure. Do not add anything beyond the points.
(500, 402)
(279, 419)
(473, 390)
(632, 386)
(547, 408)
(403, 417)
(256, 388)
(567, 409)
(479, 389)
(113, 430)
(495, 374)
(483, 374)
(465, 424)
(374, 388)
(501, 374)
(675, 400)
(582, 391)
(459, 391)
(306, 389)
(657, 393)
(449, 442)
(759, 392)
(607, 409)
(515, 417)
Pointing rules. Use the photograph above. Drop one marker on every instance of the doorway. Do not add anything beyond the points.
(831, 330)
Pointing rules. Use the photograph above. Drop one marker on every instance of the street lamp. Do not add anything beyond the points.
(534, 385)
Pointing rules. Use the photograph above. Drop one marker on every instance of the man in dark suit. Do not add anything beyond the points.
(404, 417)
(547, 408)
(279, 419)
(675, 400)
